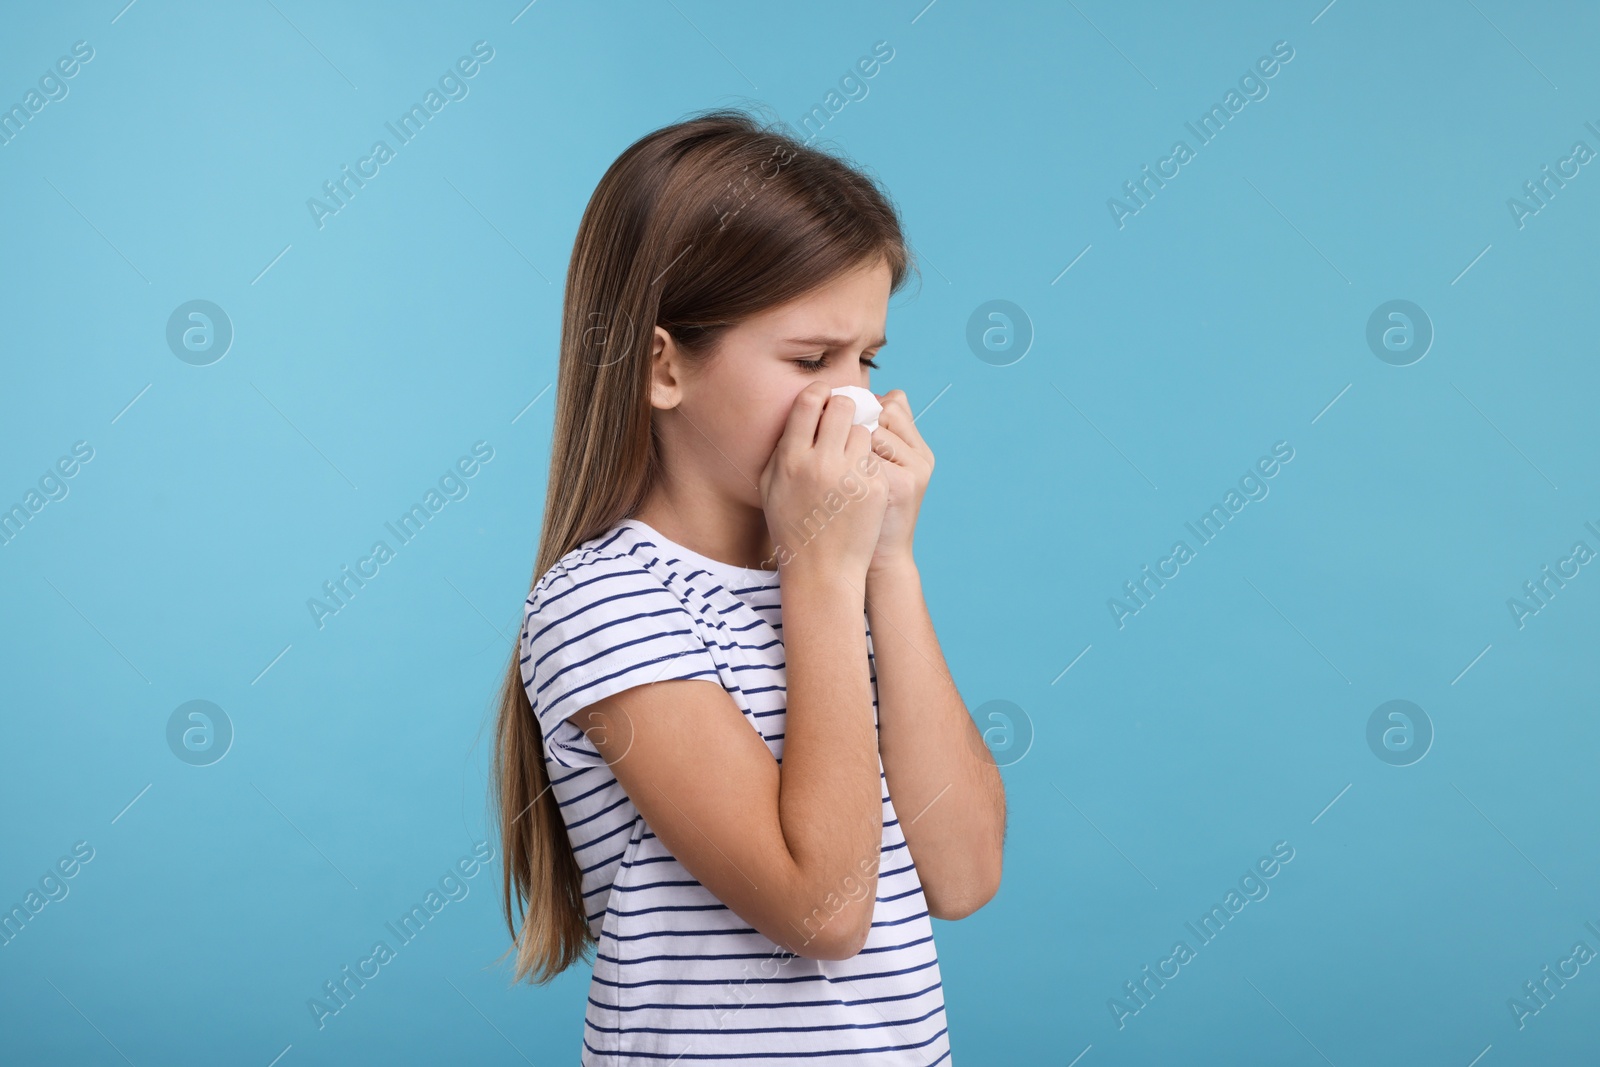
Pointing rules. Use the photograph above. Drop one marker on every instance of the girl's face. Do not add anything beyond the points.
(724, 418)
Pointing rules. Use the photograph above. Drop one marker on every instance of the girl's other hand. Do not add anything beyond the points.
(824, 509)
(907, 466)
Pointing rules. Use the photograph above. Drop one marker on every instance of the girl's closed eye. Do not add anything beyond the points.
(818, 364)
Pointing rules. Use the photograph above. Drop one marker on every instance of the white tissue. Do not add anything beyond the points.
(868, 407)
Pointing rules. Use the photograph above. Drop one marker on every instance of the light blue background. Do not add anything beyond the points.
(1227, 315)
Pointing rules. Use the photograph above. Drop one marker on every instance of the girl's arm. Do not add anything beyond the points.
(946, 787)
(793, 851)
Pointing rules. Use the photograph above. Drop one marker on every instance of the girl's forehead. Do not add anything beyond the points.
(840, 307)
(834, 319)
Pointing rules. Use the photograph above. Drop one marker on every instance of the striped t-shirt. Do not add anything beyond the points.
(679, 978)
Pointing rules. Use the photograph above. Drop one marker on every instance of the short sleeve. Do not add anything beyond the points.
(596, 627)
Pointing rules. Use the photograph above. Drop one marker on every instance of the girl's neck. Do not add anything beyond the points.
(726, 531)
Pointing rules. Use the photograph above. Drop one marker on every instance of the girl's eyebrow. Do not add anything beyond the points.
(832, 342)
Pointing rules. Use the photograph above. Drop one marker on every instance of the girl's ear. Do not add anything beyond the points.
(665, 391)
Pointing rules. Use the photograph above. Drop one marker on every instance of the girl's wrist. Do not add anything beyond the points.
(898, 567)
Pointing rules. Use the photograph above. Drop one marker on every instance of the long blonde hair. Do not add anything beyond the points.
(694, 227)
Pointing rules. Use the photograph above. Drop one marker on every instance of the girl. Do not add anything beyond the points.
(686, 773)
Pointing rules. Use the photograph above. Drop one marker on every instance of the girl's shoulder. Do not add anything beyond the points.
(603, 618)
(603, 562)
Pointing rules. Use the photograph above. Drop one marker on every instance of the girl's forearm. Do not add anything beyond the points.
(830, 800)
(946, 788)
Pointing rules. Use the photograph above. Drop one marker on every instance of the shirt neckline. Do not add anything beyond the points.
(725, 571)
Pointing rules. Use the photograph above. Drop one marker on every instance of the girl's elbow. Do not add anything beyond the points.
(959, 909)
(837, 943)
(850, 942)
(965, 899)
(832, 936)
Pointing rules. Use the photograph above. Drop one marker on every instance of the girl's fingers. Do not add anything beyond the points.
(889, 445)
(897, 407)
(833, 427)
(800, 429)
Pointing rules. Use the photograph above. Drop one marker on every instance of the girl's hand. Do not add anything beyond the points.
(820, 451)
(907, 466)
